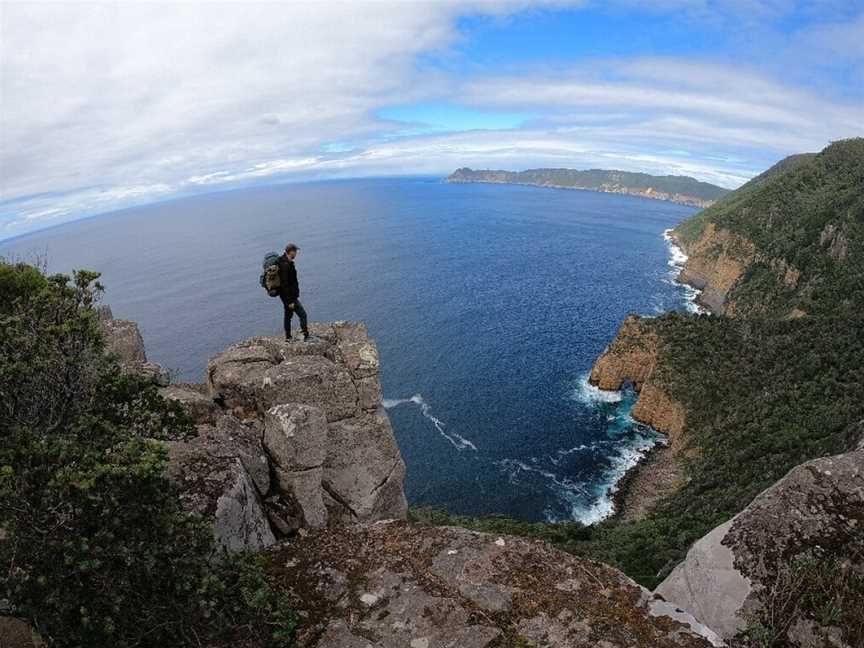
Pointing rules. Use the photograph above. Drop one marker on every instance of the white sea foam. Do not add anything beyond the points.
(677, 259)
(588, 394)
(600, 503)
(459, 442)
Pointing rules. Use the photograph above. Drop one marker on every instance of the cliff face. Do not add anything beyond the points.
(715, 264)
(632, 358)
(290, 436)
(718, 262)
(787, 243)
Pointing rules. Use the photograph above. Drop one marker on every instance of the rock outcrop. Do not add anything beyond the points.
(389, 585)
(291, 435)
(715, 264)
(745, 569)
(631, 359)
(123, 339)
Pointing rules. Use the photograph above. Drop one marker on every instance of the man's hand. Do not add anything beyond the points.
(291, 306)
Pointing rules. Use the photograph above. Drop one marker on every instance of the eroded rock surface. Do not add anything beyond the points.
(123, 339)
(742, 566)
(390, 584)
(296, 431)
(630, 359)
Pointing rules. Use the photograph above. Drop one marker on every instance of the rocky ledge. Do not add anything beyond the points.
(393, 585)
(290, 436)
(294, 457)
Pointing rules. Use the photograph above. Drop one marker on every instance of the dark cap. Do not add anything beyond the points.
(291, 248)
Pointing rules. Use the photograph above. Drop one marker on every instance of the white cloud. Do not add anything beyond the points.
(110, 104)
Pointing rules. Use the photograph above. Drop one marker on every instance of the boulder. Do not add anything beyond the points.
(256, 374)
(391, 584)
(123, 338)
(739, 571)
(305, 421)
(213, 476)
(364, 471)
(310, 380)
(296, 439)
(346, 472)
(200, 406)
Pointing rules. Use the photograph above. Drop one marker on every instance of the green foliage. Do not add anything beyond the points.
(824, 590)
(94, 547)
(803, 212)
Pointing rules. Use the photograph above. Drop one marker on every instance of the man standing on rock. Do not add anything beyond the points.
(289, 291)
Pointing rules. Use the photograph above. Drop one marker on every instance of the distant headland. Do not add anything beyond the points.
(679, 189)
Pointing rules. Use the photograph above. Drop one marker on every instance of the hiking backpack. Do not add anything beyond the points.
(269, 279)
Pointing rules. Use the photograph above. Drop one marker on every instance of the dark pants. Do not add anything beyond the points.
(289, 313)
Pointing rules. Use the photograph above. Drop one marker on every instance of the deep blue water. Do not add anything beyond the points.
(489, 304)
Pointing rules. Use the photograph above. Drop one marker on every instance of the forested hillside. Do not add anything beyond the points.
(797, 231)
(681, 189)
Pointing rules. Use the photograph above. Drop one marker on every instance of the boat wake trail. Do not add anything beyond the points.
(457, 440)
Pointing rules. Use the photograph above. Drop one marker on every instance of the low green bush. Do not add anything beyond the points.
(94, 547)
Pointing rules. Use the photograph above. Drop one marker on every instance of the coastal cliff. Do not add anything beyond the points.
(294, 458)
(631, 359)
(764, 401)
(679, 189)
(786, 244)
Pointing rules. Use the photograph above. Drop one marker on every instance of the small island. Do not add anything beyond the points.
(678, 189)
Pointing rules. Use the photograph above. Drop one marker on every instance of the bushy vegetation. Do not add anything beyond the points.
(794, 212)
(826, 590)
(94, 547)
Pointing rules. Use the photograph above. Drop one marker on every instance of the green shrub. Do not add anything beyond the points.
(94, 546)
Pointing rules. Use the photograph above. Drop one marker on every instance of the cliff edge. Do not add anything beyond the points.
(295, 459)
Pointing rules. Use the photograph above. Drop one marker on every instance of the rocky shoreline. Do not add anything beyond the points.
(645, 483)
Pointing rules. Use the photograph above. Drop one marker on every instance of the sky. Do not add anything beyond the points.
(109, 105)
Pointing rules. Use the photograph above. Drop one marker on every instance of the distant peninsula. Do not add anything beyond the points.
(679, 189)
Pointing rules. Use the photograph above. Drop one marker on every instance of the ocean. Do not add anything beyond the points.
(489, 304)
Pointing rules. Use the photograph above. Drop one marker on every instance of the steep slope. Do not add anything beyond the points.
(680, 189)
(777, 568)
(788, 243)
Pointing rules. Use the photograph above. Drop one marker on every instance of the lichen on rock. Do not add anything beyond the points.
(304, 421)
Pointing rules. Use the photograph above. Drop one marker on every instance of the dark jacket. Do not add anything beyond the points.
(288, 288)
